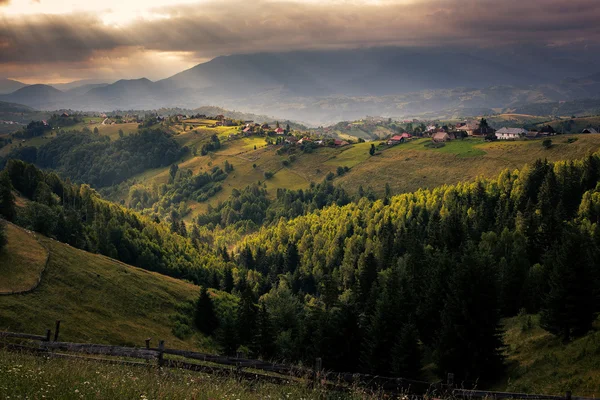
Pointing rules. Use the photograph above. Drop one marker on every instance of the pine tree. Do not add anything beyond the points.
(570, 307)
(367, 275)
(205, 317)
(469, 343)
(292, 259)
(7, 200)
(264, 341)
(227, 283)
(247, 315)
(182, 229)
(195, 235)
(406, 355)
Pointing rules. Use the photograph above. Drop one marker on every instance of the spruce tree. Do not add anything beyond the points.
(469, 343)
(247, 314)
(205, 317)
(264, 341)
(7, 200)
(570, 306)
(292, 259)
(406, 355)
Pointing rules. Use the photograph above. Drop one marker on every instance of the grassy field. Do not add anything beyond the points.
(408, 167)
(97, 299)
(540, 363)
(405, 167)
(30, 377)
(21, 261)
(577, 125)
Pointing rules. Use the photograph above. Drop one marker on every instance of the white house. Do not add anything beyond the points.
(510, 133)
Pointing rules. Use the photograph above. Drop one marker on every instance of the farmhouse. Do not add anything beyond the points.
(469, 127)
(510, 133)
(532, 135)
(399, 138)
(441, 137)
(483, 131)
(589, 130)
(279, 131)
(340, 143)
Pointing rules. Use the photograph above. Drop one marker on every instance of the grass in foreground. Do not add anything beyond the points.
(21, 262)
(26, 376)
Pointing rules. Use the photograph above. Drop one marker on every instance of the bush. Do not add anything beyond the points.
(268, 174)
(434, 145)
(330, 176)
(547, 143)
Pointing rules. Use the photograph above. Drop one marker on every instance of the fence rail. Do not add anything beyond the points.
(252, 369)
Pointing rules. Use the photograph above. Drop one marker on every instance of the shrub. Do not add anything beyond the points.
(547, 143)
(268, 174)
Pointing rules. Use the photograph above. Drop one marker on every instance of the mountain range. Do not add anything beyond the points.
(325, 86)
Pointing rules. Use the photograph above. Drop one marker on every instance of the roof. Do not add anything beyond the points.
(511, 131)
(589, 130)
(406, 135)
(397, 138)
(246, 130)
(440, 136)
(279, 130)
(469, 126)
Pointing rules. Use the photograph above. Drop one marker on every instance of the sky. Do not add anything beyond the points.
(57, 41)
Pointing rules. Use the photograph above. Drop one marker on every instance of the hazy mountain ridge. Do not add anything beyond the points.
(326, 86)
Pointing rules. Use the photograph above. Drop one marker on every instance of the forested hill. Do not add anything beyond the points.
(87, 157)
(439, 268)
(386, 286)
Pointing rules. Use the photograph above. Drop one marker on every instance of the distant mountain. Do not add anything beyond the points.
(14, 108)
(81, 83)
(357, 72)
(320, 87)
(37, 96)
(9, 85)
(80, 90)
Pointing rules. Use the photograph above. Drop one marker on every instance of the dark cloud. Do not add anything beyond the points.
(227, 27)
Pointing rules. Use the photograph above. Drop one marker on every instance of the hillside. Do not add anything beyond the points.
(9, 85)
(540, 363)
(22, 261)
(97, 298)
(406, 167)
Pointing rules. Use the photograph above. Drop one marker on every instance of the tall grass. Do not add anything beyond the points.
(32, 377)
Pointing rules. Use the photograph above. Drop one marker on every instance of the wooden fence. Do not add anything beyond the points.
(248, 368)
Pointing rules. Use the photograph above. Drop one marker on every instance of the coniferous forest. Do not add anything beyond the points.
(375, 286)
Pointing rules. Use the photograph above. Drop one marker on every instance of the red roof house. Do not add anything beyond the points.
(279, 131)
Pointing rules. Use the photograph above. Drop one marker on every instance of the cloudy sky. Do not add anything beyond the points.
(54, 41)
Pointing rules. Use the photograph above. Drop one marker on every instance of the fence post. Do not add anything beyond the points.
(568, 395)
(161, 349)
(48, 332)
(148, 343)
(56, 330)
(450, 379)
(318, 368)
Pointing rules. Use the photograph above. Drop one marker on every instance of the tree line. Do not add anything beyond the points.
(86, 157)
(385, 286)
